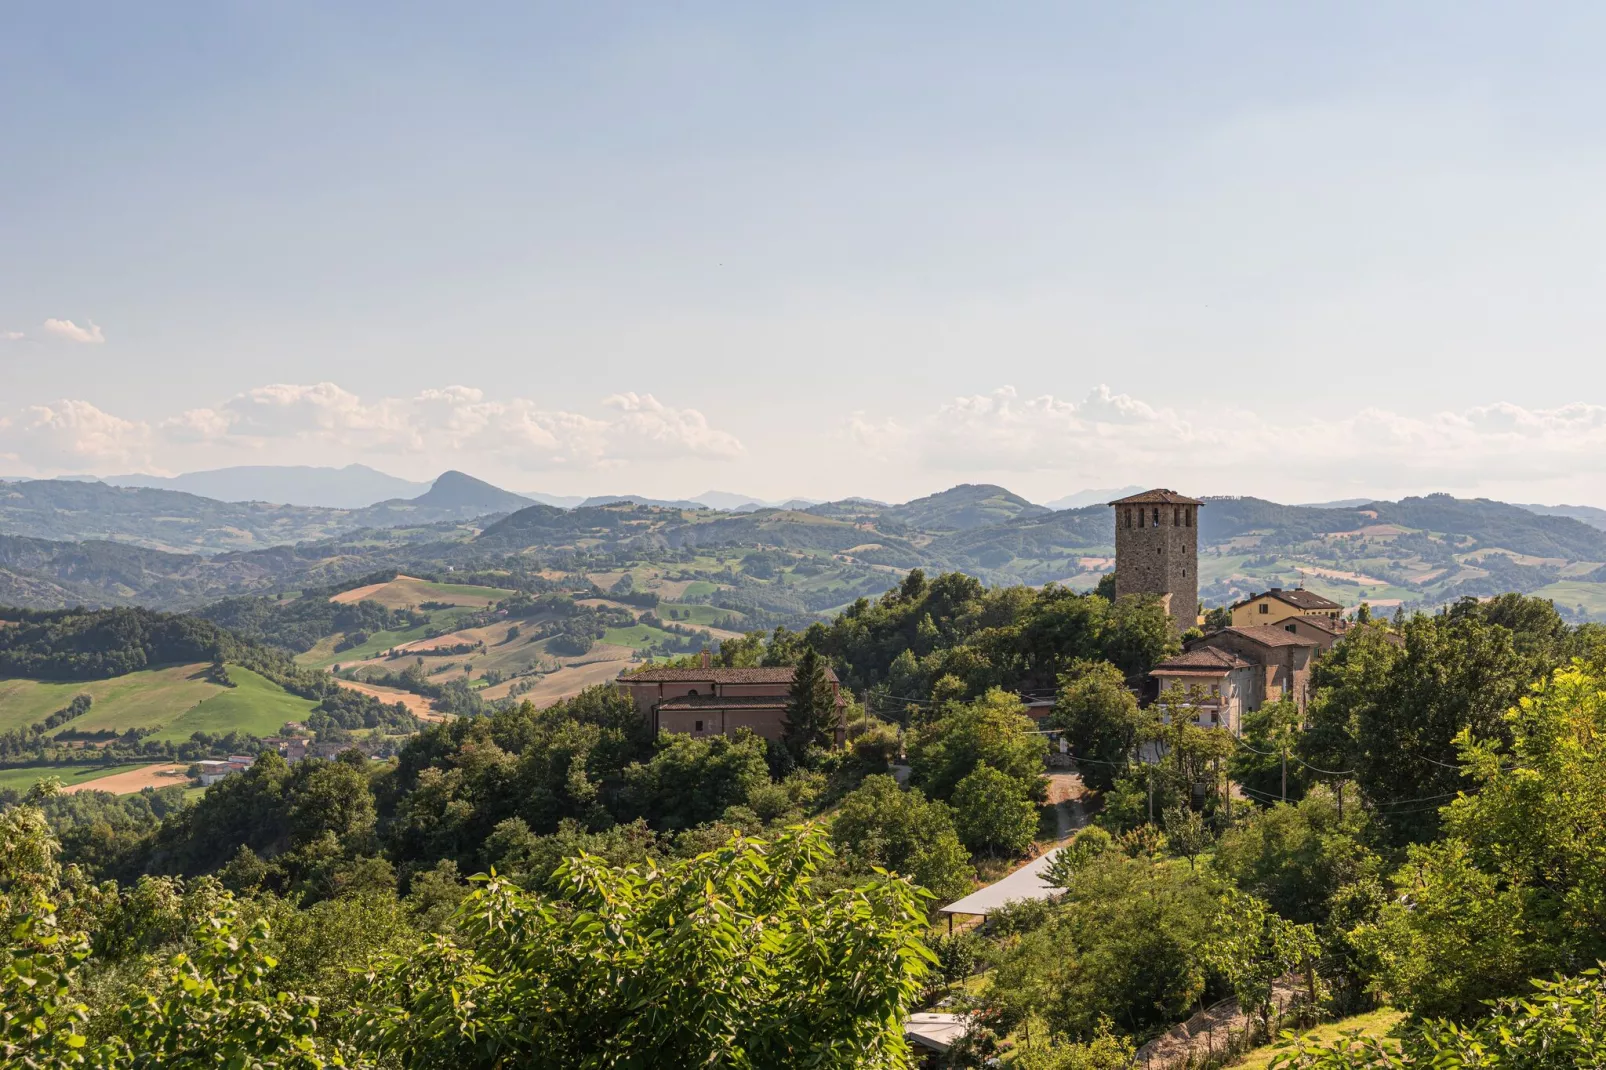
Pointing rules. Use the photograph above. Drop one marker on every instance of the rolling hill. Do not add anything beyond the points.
(178, 522)
(777, 565)
(353, 487)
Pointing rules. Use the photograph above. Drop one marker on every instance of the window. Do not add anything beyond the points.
(1157, 517)
(1129, 516)
(1187, 517)
(1291, 628)
(692, 693)
(1176, 517)
(699, 727)
(1140, 518)
(1265, 607)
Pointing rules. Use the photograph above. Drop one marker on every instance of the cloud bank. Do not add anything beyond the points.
(326, 422)
(1109, 433)
(1042, 445)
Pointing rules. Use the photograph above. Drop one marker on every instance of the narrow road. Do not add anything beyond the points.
(1065, 791)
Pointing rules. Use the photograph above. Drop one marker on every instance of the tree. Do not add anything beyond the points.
(1516, 888)
(880, 824)
(1561, 1025)
(1128, 941)
(1185, 833)
(1139, 635)
(811, 715)
(691, 781)
(1101, 719)
(1297, 857)
(992, 730)
(994, 814)
(728, 958)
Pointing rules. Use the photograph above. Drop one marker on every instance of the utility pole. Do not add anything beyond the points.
(1340, 784)
(1285, 772)
(1151, 794)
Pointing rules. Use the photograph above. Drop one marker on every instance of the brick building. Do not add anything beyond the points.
(1157, 551)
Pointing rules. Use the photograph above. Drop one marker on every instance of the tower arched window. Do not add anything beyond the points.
(1140, 518)
(1187, 517)
(1157, 516)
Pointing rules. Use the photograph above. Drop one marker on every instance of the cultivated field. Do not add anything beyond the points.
(134, 780)
(408, 592)
(72, 777)
(177, 700)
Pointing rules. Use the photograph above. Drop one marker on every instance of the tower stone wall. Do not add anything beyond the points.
(1157, 551)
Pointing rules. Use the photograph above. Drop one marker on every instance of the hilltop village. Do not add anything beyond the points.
(1082, 824)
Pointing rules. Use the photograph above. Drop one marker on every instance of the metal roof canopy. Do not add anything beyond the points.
(1025, 883)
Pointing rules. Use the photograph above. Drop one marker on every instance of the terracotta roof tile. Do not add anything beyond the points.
(1268, 635)
(1203, 658)
(1299, 598)
(1158, 496)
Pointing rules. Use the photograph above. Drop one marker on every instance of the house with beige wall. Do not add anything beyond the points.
(1277, 605)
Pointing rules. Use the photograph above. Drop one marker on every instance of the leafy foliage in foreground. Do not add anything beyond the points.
(727, 958)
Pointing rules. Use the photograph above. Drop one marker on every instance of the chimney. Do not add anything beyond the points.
(708, 661)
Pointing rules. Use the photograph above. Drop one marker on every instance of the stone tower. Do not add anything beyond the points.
(1157, 551)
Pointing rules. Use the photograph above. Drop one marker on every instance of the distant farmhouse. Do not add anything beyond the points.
(712, 701)
(1266, 654)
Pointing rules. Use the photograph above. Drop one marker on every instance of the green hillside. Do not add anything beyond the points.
(177, 700)
(254, 705)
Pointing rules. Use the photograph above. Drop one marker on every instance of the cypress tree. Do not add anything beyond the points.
(810, 706)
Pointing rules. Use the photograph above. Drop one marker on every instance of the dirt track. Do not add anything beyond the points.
(151, 776)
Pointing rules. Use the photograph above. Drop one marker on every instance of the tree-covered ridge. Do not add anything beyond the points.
(1437, 850)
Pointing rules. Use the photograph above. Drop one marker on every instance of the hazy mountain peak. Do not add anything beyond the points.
(458, 490)
(351, 487)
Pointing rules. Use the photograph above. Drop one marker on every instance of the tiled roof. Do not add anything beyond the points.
(1331, 625)
(1299, 598)
(775, 675)
(1203, 658)
(1268, 635)
(1158, 496)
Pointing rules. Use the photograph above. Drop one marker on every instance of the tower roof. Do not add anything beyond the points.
(1158, 496)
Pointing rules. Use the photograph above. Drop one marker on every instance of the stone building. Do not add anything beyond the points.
(712, 701)
(1157, 551)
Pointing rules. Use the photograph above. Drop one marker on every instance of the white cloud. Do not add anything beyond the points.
(69, 331)
(11, 336)
(1108, 436)
(74, 436)
(650, 429)
(454, 420)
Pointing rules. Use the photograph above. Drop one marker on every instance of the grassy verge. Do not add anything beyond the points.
(1374, 1024)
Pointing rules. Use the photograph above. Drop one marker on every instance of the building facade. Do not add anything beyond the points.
(1277, 605)
(711, 701)
(1157, 551)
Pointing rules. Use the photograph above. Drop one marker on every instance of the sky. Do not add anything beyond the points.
(1306, 252)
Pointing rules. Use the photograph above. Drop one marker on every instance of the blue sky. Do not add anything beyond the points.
(1305, 251)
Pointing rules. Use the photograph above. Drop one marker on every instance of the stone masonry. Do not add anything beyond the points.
(1157, 551)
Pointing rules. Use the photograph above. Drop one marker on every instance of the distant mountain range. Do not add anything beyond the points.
(175, 521)
(65, 541)
(355, 486)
